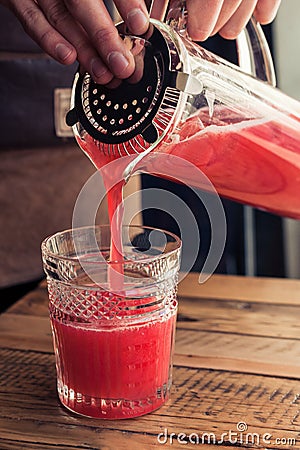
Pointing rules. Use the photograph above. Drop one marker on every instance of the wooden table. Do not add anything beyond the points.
(236, 375)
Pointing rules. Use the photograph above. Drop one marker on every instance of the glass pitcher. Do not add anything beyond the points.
(182, 100)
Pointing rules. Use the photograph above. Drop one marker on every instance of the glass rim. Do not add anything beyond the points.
(46, 251)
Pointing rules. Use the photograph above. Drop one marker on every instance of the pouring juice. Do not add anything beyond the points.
(242, 133)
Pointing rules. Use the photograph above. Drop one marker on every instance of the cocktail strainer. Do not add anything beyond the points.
(174, 79)
(128, 116)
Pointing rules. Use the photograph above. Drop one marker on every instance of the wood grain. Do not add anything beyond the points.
(34, 303)
(237, 361)
(215, 332)
(203, 401)
(235, 287)
(239, 317)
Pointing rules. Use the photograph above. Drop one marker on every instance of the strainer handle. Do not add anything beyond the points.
(253, 51)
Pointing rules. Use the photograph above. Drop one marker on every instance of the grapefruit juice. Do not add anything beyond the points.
(113, 348)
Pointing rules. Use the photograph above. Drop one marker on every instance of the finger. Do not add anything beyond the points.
(202, 17)
(96, 21)
(61, 19)
(238, 20)
(159, 9)
(138, 52)
(266, 10)
(228, 9)
(134, 14)
(38, 27)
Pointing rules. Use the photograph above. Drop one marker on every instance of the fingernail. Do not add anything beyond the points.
(117, 62)
(137, 21)
(62, 51)
(97, 68)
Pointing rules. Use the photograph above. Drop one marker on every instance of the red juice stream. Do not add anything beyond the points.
(115, 214)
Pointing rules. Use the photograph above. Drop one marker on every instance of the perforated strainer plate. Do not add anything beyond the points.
(129, 115)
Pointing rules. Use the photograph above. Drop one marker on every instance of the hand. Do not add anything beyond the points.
(82, 29)
(226, 17)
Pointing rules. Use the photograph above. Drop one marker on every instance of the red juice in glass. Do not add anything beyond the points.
(114, 371)
(113, 350)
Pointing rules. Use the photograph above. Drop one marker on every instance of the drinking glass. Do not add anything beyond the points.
(113, 321)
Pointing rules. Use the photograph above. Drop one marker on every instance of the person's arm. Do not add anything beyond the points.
(83, 29)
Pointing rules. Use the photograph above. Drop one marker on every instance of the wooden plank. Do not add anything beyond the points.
(229, 351)
(74, 437)
(9, 444)
(117, 442)
(241, 288)
(241, 365)
(25, 332)
(195, 347)
(241, 318)
(111, 438)
(34, 303)
(202, 401)
(214, 331)
(147, 431)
